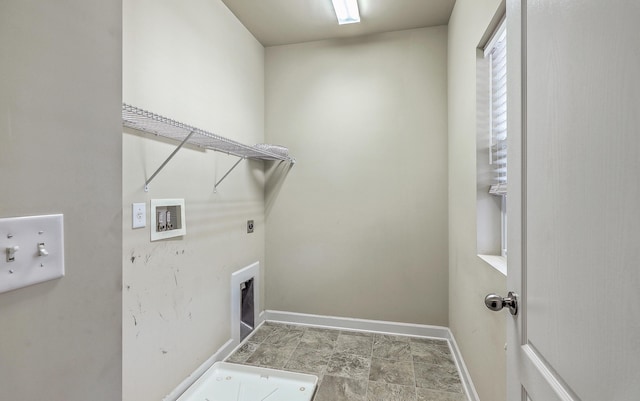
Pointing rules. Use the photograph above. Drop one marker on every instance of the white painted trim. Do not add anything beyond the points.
(343, 323)
(502, 26)
(178, 232)
(244, 341)
(516, 224)
(238, 277)
(220, 354)
(378, 326)
(497, 19)
(465, 376)
(253, 270)
(340, 323)
(497, 262)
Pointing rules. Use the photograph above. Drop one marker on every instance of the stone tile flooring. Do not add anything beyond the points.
(357, 366)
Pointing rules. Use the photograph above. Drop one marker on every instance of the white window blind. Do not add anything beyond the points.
(496, 51)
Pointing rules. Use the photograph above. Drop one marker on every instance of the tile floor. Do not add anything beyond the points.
(357, 366)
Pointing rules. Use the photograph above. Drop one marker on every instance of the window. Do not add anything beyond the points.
(492, 148)
(497, 55)
(496, 52)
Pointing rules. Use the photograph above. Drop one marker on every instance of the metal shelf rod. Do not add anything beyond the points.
(158, 125)
(146, 184)
(215, 187)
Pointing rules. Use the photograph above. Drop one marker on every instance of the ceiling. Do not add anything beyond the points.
(280, 22)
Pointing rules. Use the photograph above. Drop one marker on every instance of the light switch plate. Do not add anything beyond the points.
(32, 250)
(139, 217)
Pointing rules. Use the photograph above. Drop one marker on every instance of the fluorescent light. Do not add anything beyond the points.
(346, 11)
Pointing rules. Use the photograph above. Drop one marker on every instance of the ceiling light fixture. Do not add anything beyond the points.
(346, 11)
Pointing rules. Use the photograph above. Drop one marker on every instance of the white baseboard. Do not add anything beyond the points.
(341, 323)
(378, 326)
(223, 352)
(220, 354)
(465, 377)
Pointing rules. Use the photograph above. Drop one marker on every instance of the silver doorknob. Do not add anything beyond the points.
(496, 302)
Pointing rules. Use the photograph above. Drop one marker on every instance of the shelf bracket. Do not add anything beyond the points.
(215, 187)
(146, 184)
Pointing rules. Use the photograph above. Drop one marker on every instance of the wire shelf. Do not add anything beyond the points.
(152, 123)
(147, 121)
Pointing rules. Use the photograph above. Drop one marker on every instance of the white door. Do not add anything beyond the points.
(574, 199)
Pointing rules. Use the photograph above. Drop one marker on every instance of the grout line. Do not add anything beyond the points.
(373, 341)
(334, 349)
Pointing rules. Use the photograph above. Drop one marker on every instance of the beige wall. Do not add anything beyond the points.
(359, 226)
(60, 152)
(194, 62)
(479, 333)
(360, 221)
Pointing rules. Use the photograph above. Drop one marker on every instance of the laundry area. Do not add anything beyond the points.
(216, 200)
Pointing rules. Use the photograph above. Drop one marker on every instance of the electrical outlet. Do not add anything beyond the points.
(139, 215)
(249, 226)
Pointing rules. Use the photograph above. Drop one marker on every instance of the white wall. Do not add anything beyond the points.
(60, 152)
(480, 333)
(359, 226)
(194, 62)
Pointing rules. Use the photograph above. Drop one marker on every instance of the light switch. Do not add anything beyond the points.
(11, 253)
(139, 215)
(34, 246)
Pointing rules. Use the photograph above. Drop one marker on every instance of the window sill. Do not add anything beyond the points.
(497, 262)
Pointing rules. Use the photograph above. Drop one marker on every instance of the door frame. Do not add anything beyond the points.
(516, 224)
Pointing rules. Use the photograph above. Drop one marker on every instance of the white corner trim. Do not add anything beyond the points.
(237, 278)
(497, 262)
(378, 326)
(465, 377)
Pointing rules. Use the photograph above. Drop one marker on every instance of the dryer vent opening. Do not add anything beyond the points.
(247, 313)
